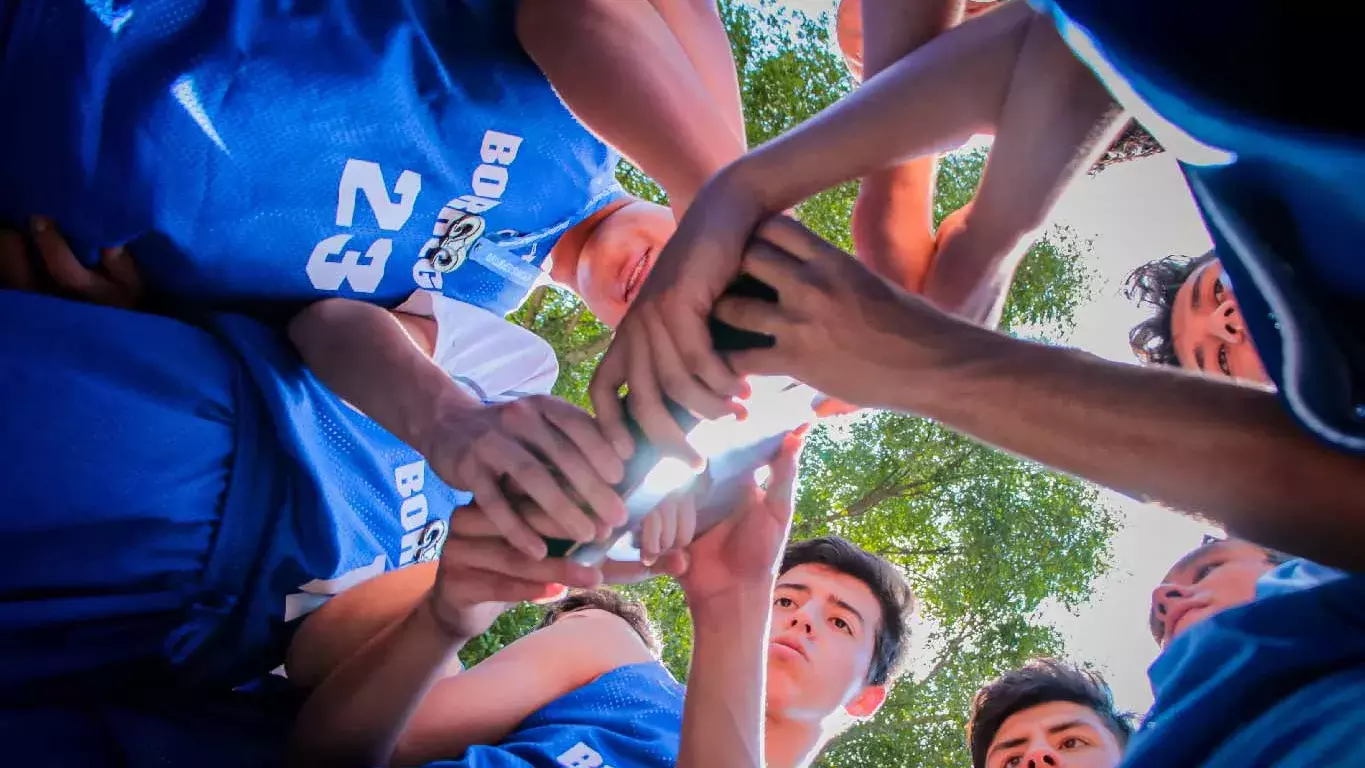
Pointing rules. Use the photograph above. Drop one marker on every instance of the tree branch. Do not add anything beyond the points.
(533, 305)
(588, 351)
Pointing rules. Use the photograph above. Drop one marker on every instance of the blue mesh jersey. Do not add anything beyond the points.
(257, 153)
(1280, 681)
(1275, 168)
(177, 498)
(631, 716)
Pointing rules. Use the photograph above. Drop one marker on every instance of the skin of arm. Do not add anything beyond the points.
(624, 73)
(1195, 444)
(387, 689)
(726, 684)
(1202, 446)
(368, 356)
(699, 30)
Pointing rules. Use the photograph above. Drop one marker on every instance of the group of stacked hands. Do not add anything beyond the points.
(266, 356)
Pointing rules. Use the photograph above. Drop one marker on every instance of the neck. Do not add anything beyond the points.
(569, 247)
(790, 743)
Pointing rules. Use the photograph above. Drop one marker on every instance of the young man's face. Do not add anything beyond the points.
(824, 628)
(1205, 582)
(1059, 734)
(1207, 329)
(619, 255)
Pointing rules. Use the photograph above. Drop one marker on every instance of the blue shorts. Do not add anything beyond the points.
(125, 442)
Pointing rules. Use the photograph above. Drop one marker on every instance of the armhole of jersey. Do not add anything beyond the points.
(489, 357)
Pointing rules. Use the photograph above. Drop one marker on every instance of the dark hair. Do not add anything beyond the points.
(888, 584)
(1041, 681)
(604, 599)
(1156, 283)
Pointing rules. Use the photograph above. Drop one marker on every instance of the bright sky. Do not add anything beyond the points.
(1135, 212)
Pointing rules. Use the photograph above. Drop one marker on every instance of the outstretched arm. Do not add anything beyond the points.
(622, 70)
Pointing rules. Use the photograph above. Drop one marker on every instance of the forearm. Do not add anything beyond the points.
(365, 356)
(723, 713)
(621, 70)
(934, 99)
(698, 28)
(356, 716)
(1194, 444)
(892, 220)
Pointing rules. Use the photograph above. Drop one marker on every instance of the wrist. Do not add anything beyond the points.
(745, 600)
(437, 620)
(446, 415)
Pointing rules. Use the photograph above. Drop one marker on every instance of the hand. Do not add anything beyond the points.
(483, 448)
(115, 283)
(744, 550)
(663, 345)
(838, 327)
(480, 576)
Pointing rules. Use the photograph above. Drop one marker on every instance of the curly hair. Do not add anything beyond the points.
(1156, 283)
(630, 610)
(1041, 681)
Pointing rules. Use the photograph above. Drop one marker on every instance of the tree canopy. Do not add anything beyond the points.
(984, 537)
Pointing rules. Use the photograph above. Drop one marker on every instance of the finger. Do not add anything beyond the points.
(796, 239)
(668, 525)
(646, 406)
(673, 563)
(586, 435)
(605, 392)
(778, 270)
(677, 381)
(67, 271)
(472, 522)
(118, 264)
(509, 457)
(621, 572)
(469, 587)
(692, 339)
(493, 504)
(782, 483)
(15, 270)
(572, 467)
(687, 521)
(648, 537)
(497, 556)
(773, 361)
(753, 315)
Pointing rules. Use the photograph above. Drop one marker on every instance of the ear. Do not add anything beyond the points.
(867, 702)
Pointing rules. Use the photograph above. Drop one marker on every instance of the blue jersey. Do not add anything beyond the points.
(1275, 168)
(631, 716)
(257, 153)
(177, 498)
(1280, 681)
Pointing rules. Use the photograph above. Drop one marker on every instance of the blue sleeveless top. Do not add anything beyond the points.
(631, 716)
(261, 155)
(355, 501)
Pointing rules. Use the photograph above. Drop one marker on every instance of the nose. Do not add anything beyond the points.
(1226, 323)
(1042, 757)
(802, 621)
(1164, 596)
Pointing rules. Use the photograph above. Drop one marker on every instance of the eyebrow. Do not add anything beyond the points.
(802, 588)
(1197, 289)
(1022, 740)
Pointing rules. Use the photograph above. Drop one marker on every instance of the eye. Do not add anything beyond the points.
(842, 625)
(784, 602)
(1072, 742)
(1223, 360)
(1205, 570)
(1220, 291)
(1011, 763)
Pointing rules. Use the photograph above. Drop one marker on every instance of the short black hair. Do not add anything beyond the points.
(887, 583)
(1041, 681)
(605, 599)
(1156, 283)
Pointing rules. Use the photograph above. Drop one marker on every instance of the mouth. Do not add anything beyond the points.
(793, 646)
(636, 277)
(1174, 622)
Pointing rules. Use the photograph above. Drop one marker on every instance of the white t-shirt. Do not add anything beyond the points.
(489, 357)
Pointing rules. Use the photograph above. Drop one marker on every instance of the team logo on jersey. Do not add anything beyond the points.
(453, 248)
(429, 541)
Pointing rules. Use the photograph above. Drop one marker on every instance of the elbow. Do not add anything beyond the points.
(309, 327)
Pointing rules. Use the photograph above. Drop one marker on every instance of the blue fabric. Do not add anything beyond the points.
(1275, 170)
(152, 729)
(1280, 681)
(631, 716)
(175, 499)
(259, 155)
